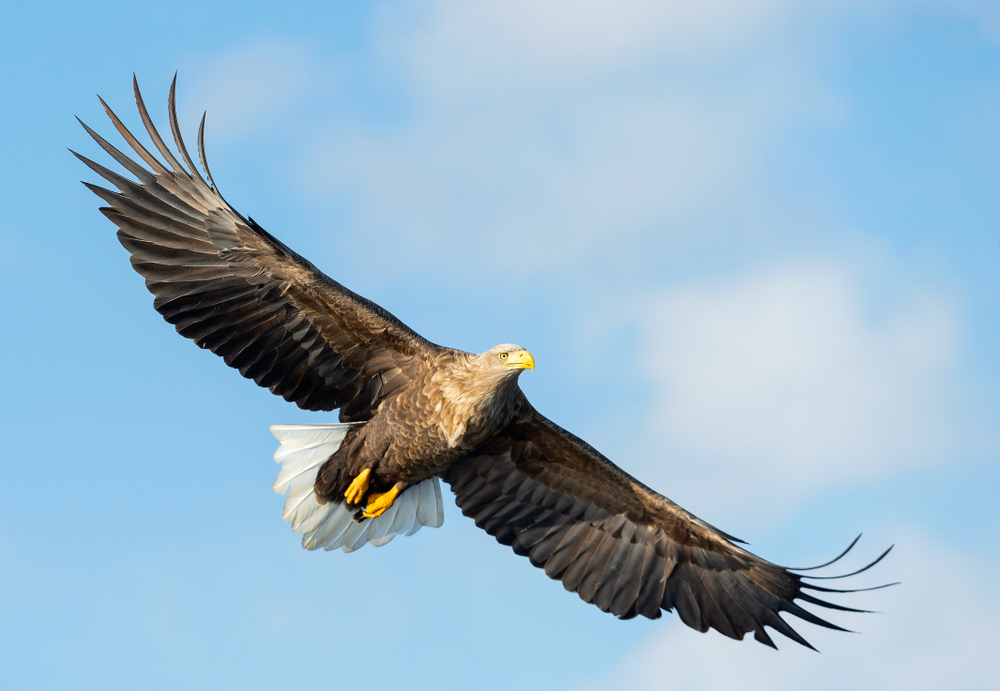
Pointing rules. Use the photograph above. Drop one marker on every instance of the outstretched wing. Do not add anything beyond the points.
(619, 544)
(231, 287)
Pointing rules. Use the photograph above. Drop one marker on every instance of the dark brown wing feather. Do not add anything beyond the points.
(617, 543)
(226, 283)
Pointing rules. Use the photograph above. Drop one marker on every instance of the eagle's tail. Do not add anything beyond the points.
(303, 450)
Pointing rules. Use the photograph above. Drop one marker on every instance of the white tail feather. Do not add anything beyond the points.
(304, 449)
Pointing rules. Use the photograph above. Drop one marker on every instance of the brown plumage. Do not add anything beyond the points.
(424, 410)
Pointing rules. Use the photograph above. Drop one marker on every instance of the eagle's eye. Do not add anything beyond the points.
(503, 356)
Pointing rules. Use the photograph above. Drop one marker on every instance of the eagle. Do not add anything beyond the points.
(413, 413)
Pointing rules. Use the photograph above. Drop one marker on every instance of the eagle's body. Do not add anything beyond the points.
(413, 413)
(455, 401)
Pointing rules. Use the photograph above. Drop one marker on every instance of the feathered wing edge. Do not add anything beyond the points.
(303, 450)
(582, 535)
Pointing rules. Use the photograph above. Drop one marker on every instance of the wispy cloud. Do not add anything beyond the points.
(245, 87)
(573, 122)
(786, 383)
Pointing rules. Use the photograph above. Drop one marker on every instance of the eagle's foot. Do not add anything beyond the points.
(358, 487)
(378, 503)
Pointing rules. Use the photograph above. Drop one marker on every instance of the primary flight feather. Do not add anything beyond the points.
(412, 412)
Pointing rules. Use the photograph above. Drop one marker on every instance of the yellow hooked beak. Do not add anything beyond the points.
(521, 360)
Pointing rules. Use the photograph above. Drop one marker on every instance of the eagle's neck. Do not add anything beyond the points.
(478, 402)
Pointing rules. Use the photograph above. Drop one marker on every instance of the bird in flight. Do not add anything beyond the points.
(413, 413)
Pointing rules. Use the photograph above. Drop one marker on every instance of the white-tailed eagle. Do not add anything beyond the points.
(412, 412)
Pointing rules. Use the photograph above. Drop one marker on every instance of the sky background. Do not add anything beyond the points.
(754, 248)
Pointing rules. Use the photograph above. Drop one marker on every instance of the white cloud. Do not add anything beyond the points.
(621, 166)
(785, 382)
(246, 86)
(465, 42)
(575, 122)
(937, 631)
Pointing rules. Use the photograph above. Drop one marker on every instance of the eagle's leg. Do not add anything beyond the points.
(359, 485)
(378, 503)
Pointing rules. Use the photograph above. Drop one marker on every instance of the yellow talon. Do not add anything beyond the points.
(359, 486)
(378, 503)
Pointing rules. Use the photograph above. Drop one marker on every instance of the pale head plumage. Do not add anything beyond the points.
(505, 360)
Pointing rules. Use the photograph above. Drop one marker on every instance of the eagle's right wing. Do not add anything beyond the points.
(231, 287)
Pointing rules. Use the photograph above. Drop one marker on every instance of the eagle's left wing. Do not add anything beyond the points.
(617, 543)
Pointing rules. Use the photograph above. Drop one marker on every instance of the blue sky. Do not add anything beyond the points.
(754, 248)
